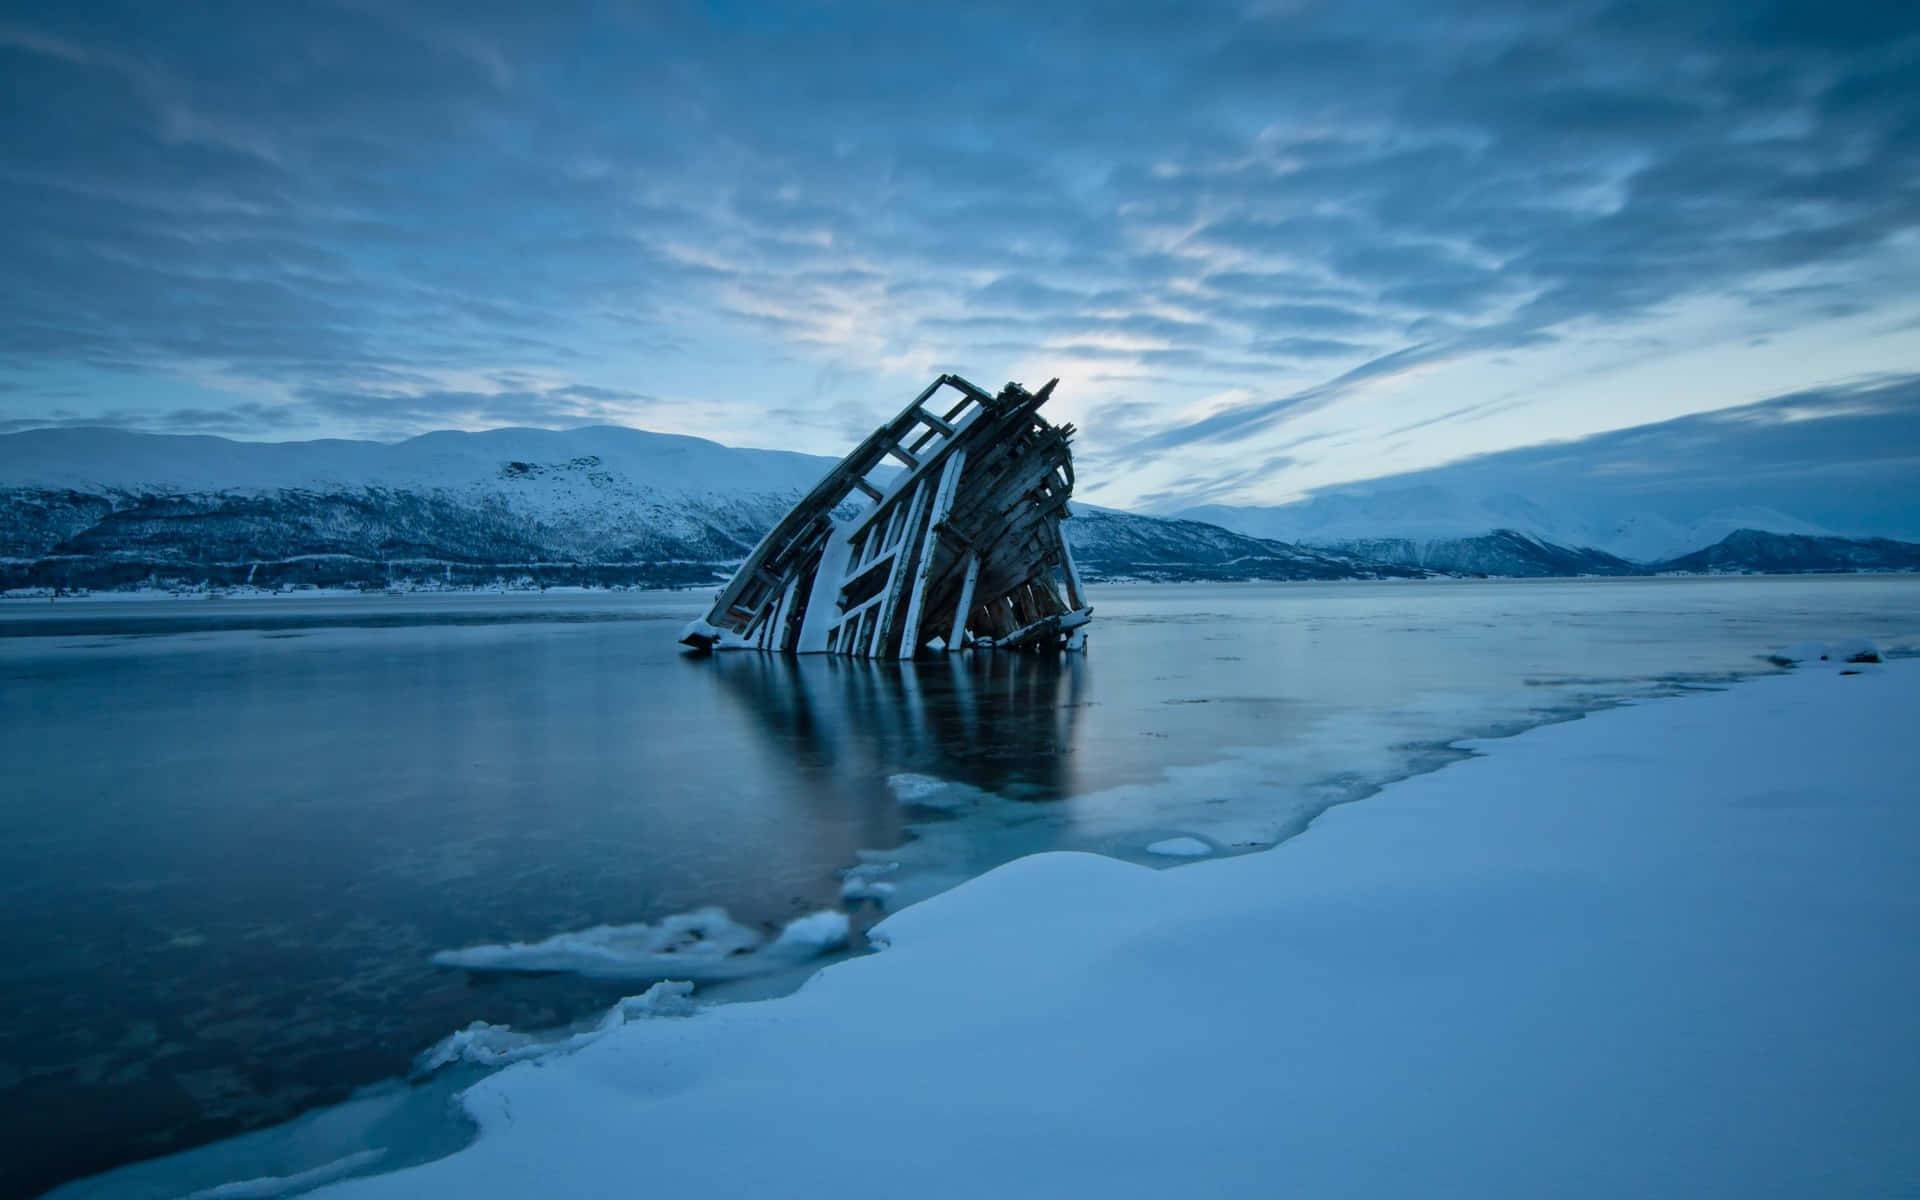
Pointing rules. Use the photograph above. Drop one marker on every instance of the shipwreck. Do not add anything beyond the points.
(939, 532)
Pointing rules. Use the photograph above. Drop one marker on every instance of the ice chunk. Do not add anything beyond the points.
(1181, 847)
(684, 946)
(1800, 652)
(702, 945)
(815, 933)
(914, 789)
(711, 637)
(485, 1044)
(929, 791)
(859, 887)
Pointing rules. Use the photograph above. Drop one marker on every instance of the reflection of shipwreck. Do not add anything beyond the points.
(959, 546)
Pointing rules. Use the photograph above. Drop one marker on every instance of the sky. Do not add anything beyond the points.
(1269, 248)
(1842, 460)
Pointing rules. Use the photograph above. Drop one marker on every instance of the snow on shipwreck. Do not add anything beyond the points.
(961, 548)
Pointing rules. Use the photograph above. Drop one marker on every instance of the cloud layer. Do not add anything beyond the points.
(1215, 221)
(1841, 460)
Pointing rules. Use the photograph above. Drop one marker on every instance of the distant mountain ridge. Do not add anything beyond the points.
(1758, 550)
(1506, 534)
(105, 508)
(606, 505)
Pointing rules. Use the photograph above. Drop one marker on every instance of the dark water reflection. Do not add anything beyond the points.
(1001, 723)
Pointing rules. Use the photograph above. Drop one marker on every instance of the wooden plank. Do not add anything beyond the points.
(1076, 596)
(778, 641)
(822, 606)
(896, 581)
(956, 640)
(929, 549)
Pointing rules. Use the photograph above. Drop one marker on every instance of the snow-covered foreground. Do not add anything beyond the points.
(1671, 949)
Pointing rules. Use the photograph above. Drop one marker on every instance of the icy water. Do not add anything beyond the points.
(234, 833)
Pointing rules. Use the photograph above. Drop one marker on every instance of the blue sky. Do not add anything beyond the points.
(1268, 247)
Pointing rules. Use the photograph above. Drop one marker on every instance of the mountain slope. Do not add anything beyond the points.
(1108, 544)
(1502, 552)
(1428, 516)
(1752, 550)
(104, 508)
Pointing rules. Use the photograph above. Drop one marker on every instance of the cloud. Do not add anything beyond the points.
(1843, 458)
(391, 412)
(349, 208)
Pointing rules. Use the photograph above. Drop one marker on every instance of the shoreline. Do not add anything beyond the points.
(242, 591)
(1454, 748)
(1466, 983)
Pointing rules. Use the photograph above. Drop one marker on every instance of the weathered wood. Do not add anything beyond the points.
(956, 640)
(964, 540)
(930, 550)
(903, 563)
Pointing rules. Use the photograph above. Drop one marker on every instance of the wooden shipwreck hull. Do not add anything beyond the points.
(960, 546)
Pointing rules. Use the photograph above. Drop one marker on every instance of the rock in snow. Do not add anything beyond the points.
(1856, 650)
(1667, 950)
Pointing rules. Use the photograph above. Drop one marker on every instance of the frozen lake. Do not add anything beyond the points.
(235, 832)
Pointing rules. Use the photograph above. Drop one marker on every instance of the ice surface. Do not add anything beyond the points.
(281, 1185)
(1599, 960)
(391, 1125)
(1180, 847)
(705, 944)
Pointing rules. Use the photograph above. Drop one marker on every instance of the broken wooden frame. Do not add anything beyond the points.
(959, 547)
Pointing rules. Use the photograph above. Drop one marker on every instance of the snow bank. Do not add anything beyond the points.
(705, 944)
(1666, 950)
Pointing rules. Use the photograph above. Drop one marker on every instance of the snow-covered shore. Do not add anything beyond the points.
(1670, 949)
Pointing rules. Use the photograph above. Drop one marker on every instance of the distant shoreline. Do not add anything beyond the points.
(523, 588)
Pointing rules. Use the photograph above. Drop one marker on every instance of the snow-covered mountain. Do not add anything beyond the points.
(1442, 527)
(100, 508)
(1754, 550)
(106, 508)
(1109, 544)
(97, 507)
